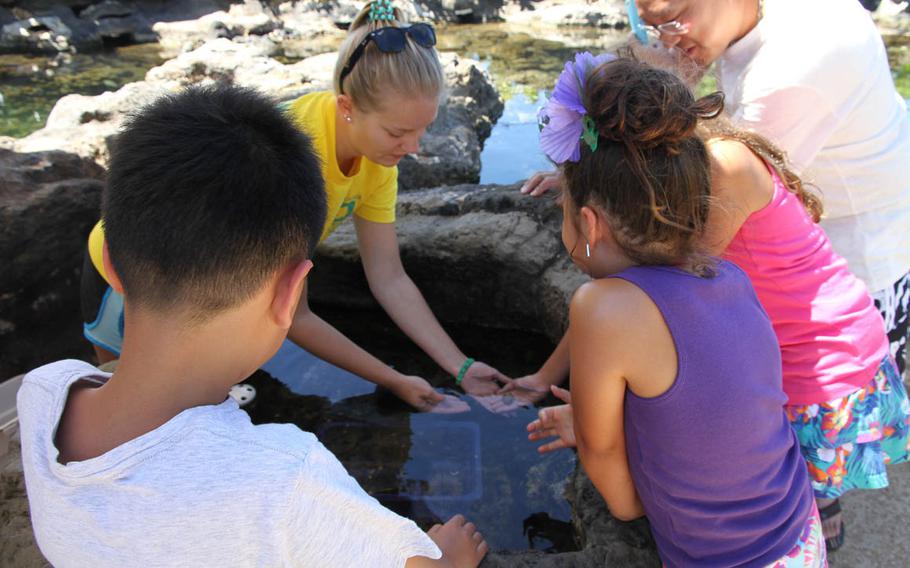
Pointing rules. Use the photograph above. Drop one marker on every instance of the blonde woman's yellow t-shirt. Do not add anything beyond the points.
(369, 190)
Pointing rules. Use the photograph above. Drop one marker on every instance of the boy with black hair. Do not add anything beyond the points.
(214, 202)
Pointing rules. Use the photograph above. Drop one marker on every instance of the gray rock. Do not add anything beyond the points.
(603, 14)
(308, 28)
(55, 27)
(39, 34)
(48, 203)
(85, 125)
(450, 150)
(465, 246)
(119, 23)
(449, 153)
(249, 18)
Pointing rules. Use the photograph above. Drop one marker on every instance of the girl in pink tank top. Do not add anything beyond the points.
(846, 400)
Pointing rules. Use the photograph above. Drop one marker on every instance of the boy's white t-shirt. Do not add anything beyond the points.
(208, 488)
(813, 77)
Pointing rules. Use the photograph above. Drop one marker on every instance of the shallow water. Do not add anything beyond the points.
(524, 68)
(30, 85)
(429, 466)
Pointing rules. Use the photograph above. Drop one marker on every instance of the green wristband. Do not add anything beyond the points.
(464, 369)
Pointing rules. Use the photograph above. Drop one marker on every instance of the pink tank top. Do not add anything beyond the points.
(832, 338)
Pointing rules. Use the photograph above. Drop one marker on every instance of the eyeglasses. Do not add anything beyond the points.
(389, 39)
(645, 33)
(673, 28)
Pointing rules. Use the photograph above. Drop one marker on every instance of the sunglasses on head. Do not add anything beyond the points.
(389, 40)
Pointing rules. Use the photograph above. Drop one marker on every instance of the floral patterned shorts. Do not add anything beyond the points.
(848, 441)
(810, 550)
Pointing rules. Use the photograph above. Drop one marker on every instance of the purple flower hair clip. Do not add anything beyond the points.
(563, 121)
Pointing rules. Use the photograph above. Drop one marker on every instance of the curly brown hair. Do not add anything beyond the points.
(650, 174)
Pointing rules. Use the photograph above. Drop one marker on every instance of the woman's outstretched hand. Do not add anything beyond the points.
(528, 389)
(481, 380)
(554, 421)
(421, 395)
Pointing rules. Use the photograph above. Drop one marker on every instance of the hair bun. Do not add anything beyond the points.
(639, 105)
(377, 14)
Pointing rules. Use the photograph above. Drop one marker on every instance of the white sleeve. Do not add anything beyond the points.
(796, 118)
(334, 522)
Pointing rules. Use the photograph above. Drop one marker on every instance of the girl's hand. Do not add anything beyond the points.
(423, 397)
(542, 182)
(554, 421)
(481, 380)
(528, 389)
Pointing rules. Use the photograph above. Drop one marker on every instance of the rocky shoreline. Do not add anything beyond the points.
(52, 26)
(37, 26)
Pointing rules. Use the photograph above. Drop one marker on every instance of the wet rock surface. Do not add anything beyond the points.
(467, 246)
(42, 26)
(48, 203)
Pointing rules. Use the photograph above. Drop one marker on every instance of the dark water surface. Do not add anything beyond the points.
(423, 465)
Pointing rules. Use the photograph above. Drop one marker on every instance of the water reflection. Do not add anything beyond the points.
(430, 466)
(32, 84)
(524, 68)
(512, 151)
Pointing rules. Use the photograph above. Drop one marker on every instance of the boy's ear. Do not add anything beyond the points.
(112, 277)
(287, 292)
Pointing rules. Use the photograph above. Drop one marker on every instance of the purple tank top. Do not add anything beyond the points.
(714, 459)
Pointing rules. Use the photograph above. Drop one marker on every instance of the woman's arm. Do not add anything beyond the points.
(397, 294)
(321, 339)
(600, 317)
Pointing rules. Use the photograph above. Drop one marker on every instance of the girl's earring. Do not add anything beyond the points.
(347, 118)
(588, 249)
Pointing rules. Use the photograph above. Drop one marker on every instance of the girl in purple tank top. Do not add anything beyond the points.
(677, 407)
(845, 398)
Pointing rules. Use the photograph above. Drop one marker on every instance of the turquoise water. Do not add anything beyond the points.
(31, 85)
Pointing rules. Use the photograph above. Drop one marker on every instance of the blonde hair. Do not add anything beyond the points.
(415, 69)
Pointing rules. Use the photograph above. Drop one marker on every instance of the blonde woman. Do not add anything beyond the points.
(386, 90)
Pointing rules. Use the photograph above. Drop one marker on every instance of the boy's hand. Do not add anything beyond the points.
(460, 542)
(554, 421)
(422, 396)
(481, 379)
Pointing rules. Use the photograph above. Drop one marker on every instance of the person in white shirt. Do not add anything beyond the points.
(213, 202)
(813, 76)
